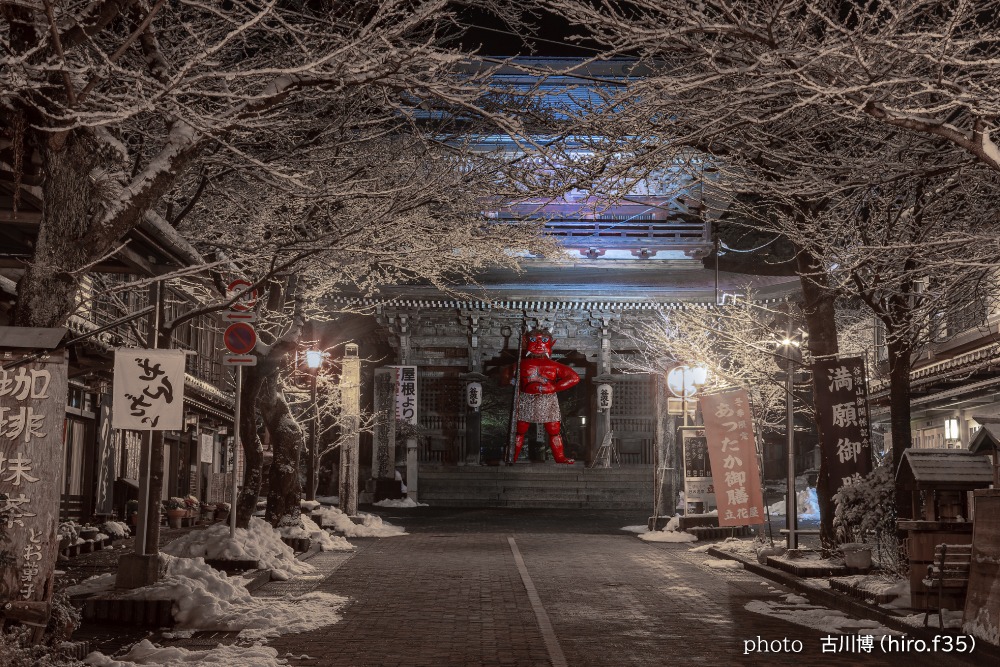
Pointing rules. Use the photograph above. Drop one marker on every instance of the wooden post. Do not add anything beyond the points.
(35, 392)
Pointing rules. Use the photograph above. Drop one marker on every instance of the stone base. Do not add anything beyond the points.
(136, 571)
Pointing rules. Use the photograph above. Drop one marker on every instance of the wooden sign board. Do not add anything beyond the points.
(32, 418)
(982, 602)
(220, 487)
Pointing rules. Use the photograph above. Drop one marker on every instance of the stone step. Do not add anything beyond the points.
(536, 486)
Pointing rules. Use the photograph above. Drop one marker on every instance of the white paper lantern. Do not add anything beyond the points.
(474, 394)
(605, 394)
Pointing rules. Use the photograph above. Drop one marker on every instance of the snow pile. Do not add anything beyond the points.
(206, 599)
(146, 653)
(669, 533)
(806, 505)
(635, 529)
(371, 526)
(259, 542)
(404, 503)
(323, 540)
(723, 564)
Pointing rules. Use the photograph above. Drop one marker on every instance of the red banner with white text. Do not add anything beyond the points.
(733, 456)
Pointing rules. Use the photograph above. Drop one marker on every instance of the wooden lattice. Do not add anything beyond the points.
(441, 404)
(633, 418)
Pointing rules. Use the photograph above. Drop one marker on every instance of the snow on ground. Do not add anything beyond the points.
(668, 533)
(206, 599)
(405, 502)
(320, 539)
(668, 536)
(796, 609)
(635, 529)
(724, 564)
(146, 653)
(370, 526)
(806, 505)
(259, 542)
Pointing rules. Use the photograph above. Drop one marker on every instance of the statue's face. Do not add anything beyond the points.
(539, 344)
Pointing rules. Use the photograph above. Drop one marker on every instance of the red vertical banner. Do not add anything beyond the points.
(733, 456)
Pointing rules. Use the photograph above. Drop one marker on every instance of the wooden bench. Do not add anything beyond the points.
(949, 572)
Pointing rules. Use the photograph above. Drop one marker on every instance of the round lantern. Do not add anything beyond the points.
(474, 394)
(605, 394)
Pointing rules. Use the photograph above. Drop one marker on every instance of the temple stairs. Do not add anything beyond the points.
(537, 485)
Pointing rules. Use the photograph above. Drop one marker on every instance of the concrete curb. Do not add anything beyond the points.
(848, 605)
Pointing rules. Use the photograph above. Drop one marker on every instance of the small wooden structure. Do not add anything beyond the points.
(939, 481)
(987, 442)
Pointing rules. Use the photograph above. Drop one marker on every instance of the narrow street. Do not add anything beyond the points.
(535, 587)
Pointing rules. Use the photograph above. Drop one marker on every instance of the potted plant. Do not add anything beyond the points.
(222, 511)
(176, 510)
(192, 505)
(132, 511)
(207, 512)
(865, 514)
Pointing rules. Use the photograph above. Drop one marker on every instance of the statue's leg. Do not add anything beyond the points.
(556, 443)
(522, 428)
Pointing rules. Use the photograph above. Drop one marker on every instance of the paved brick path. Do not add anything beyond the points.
(450, 593)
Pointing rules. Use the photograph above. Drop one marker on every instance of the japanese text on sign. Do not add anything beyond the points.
(149, 390)
(842, 413)
(733, 457)
(406, 393)
(32, 411)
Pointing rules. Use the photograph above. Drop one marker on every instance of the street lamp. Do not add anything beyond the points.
(314, 359)
(684, 381)
(791, 354)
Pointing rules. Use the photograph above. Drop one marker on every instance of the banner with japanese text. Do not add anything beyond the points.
(148, 390)
(406, 394)
(842, 414)
(733, 457)
(32, 419)
(699, 489)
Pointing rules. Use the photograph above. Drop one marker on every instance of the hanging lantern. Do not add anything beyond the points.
(604, 396)
(474, 394)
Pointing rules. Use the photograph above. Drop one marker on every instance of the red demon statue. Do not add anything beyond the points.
(539, 380)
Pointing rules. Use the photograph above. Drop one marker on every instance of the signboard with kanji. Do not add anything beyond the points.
(733, 456)
(406, 393)
(149, 390)
(842, 413)
(32, 417)
(699, 490)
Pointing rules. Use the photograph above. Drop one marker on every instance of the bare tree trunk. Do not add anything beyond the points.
(821, 321)
(900, 350)
(47, 290)
(287, 438)
(253, 450)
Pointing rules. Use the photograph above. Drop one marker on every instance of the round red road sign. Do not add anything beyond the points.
(249, 298)
(240, 338)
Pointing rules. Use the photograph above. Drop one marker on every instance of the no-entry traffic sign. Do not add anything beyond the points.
(240, 338)
(248, 298)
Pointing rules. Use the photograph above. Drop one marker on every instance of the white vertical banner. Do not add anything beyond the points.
(148, 390)
(406, 393)
(207, 448)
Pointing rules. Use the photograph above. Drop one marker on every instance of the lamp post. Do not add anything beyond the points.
(684, 381)
(791, 355)
(314, 359)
